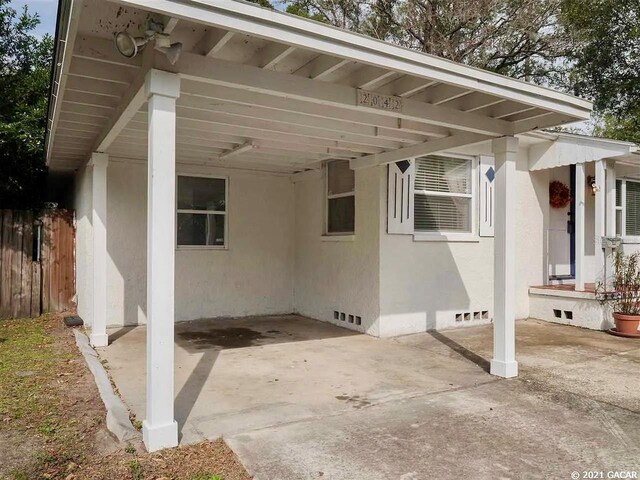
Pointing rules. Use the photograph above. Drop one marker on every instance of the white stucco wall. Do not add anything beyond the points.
(279, 262)
(338, 275)
(423, 285)
(253, 276)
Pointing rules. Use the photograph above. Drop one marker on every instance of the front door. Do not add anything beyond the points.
(561, 230)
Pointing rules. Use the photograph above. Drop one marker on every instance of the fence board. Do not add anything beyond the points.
(16, 265)
(31, 286)
(25, 268)
(5, 267)
(44, 264)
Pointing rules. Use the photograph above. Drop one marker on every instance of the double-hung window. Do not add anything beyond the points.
(628, 208)
(340, 195)
(202, 212)
(444, 195)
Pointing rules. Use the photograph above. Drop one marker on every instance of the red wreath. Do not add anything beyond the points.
(559, 195)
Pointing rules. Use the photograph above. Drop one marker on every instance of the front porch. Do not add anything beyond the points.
(293, 395)
(566, 305)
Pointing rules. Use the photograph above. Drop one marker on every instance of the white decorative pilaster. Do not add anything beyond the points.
(504, 363)
(98, 163)
(580, 193)
(159, 428)
(600, 219)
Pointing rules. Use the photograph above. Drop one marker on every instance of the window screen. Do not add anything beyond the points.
(632, 217)
(443, 195)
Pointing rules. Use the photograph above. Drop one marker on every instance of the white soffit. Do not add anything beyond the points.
(289, 87)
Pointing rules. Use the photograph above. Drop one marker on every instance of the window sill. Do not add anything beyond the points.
(631, 240)
(338, 238)
(446, 237)
(201, 247)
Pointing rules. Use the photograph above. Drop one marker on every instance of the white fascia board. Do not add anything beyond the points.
(571, 150)
(304, 33)
(68, 17)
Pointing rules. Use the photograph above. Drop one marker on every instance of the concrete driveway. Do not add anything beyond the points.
(300, 399)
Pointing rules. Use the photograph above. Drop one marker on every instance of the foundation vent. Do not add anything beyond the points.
(476, 315)
(347, 317)
(562, 314)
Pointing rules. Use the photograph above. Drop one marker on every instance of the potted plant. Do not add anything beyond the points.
(624, 298)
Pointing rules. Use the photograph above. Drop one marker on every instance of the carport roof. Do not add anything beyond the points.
(264, 89)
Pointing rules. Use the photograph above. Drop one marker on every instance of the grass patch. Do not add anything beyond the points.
(53, 418)
(27, 361)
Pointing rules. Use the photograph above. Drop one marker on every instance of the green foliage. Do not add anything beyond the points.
(25, 63)
(136, 470)
(518, 38)
(621, 127)
(625, 296)
(606, 55)
(262, 3)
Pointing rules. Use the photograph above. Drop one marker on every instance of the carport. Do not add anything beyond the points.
(298, 398)
(259, 89)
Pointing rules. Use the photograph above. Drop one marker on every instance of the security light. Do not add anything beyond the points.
(129, 46)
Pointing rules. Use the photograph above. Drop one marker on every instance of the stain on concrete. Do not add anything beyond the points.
(355, 400)
(232, 337)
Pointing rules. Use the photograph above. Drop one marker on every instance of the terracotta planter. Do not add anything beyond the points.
(627, 324)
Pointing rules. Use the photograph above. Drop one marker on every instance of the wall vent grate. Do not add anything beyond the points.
(347, 317)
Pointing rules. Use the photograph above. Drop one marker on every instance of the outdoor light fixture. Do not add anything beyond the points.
(129, 46)
(591, 181)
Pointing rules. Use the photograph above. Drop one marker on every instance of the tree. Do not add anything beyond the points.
(606, 56)
(25, 63)
(518, 38)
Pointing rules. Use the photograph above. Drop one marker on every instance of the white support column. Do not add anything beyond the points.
(610, 187)
(504, 363)
(580, 191)
(599, 220)
(159, 428)
(610, 218)
(98, 162)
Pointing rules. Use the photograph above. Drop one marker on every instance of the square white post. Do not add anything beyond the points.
(610, 217)
(504, 363)
(610, 187)
(99, 162)
(159, 428)
(580, 192)
(600, 220)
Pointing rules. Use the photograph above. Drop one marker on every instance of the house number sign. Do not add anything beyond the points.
(379, 101)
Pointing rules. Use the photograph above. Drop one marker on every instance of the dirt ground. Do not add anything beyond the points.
(52, 418)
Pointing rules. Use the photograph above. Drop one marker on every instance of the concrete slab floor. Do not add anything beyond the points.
(300, 399)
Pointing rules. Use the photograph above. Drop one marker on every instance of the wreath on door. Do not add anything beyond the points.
(559, 195)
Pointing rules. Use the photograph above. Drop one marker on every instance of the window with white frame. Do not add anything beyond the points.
(628, 208)
(340, 205)
(201, 211)
(444, 195)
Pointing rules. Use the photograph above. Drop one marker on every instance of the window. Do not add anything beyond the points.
(340, 207)
(443, 195)
(201, 212)
(628, 208)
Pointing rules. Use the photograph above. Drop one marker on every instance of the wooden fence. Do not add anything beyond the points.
(36, 263)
